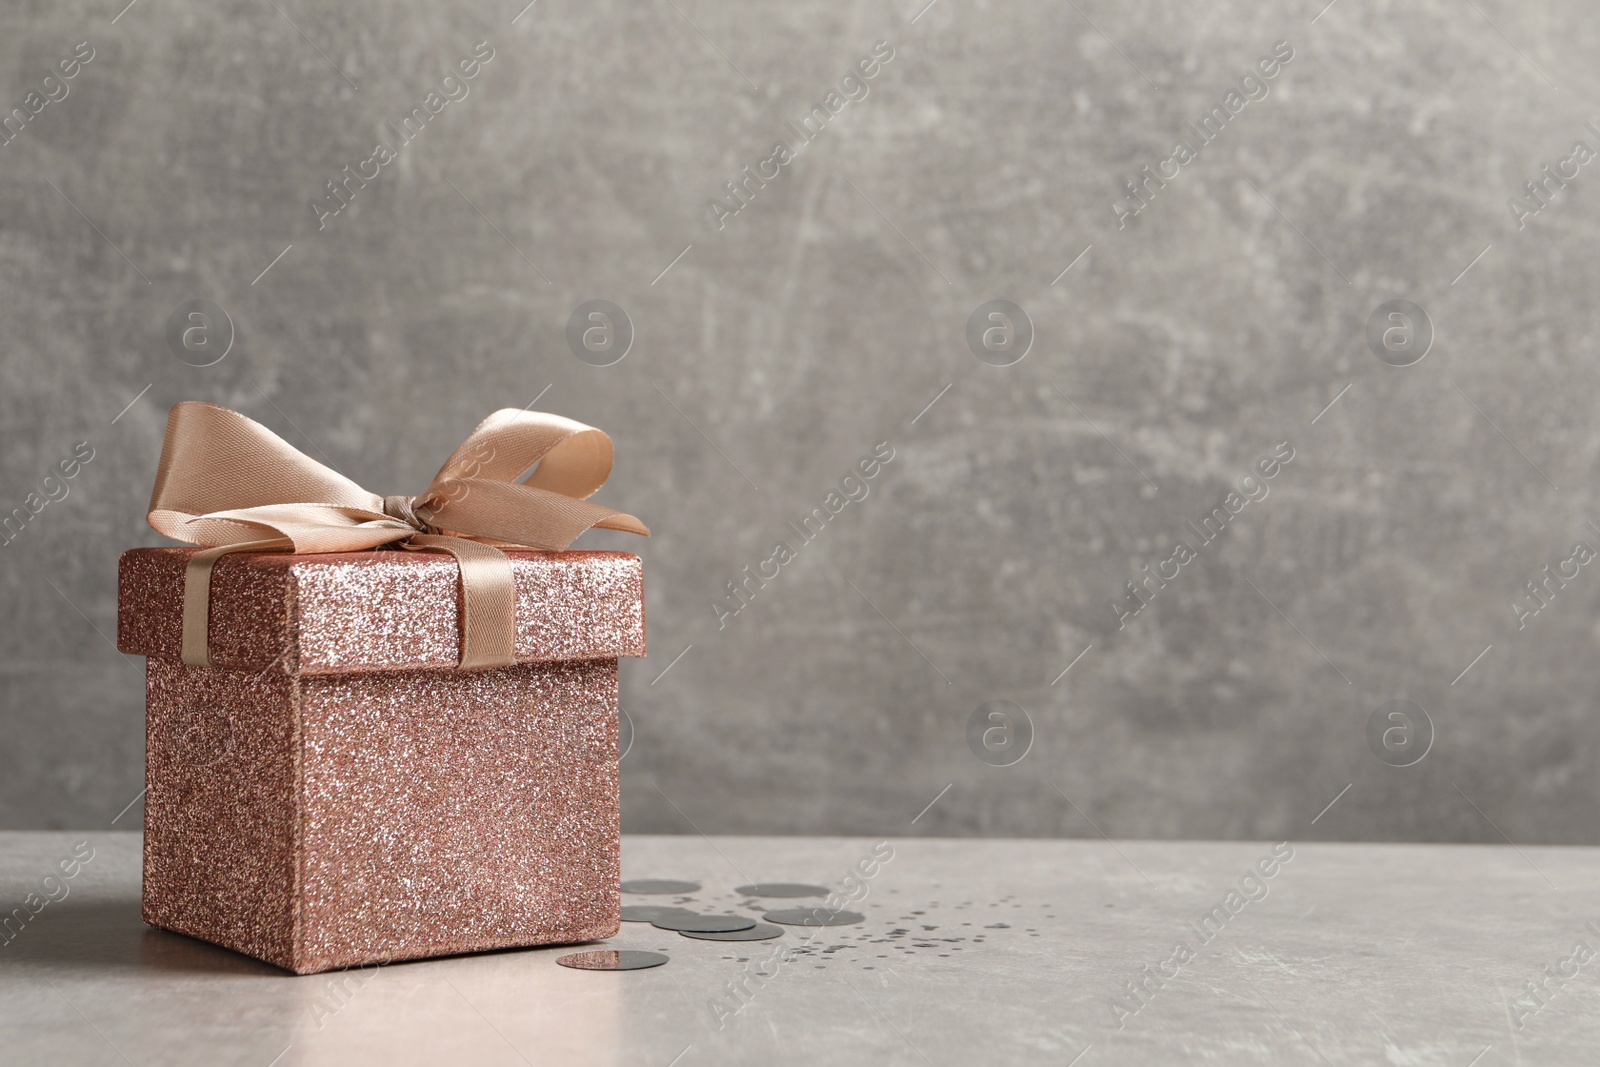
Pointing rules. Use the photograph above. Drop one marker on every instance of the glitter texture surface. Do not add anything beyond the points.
(219, 807)
(344, 612)
(344, 801)
(452, 811)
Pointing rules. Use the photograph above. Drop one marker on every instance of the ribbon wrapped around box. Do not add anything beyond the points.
(356, 754)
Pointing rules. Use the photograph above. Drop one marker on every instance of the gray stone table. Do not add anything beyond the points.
(971, 952)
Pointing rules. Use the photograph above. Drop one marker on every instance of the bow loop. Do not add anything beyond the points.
(215, 459)
(520, 480)
(545, 451)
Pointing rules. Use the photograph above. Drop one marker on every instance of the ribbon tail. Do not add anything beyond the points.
(488, 600)
(197, 596)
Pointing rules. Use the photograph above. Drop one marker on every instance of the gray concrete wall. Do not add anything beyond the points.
(773, 353)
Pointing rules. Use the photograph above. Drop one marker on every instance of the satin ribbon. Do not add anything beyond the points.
(229, 484)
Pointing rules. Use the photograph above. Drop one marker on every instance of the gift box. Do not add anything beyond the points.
(334, 778)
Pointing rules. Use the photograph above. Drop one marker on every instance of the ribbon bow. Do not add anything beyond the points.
(229, 484)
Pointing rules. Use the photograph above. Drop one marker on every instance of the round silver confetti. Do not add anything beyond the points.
(612, 959)
(649, 913)
(658, 885)
(704, 923)
(758, 932)
(782, 889)
(812, 917)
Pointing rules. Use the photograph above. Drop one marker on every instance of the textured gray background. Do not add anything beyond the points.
(822, 320)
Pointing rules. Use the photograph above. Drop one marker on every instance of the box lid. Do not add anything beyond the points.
(384, 610)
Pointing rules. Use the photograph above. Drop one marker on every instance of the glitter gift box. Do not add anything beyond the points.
(334, 792)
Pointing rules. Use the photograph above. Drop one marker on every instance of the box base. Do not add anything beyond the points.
(335, 821)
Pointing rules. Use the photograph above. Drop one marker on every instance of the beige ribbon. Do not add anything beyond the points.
(229, 484)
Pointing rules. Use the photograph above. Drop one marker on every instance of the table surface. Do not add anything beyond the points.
(971, 952)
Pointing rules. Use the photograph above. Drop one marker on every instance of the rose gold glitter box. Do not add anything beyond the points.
(334, 792)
